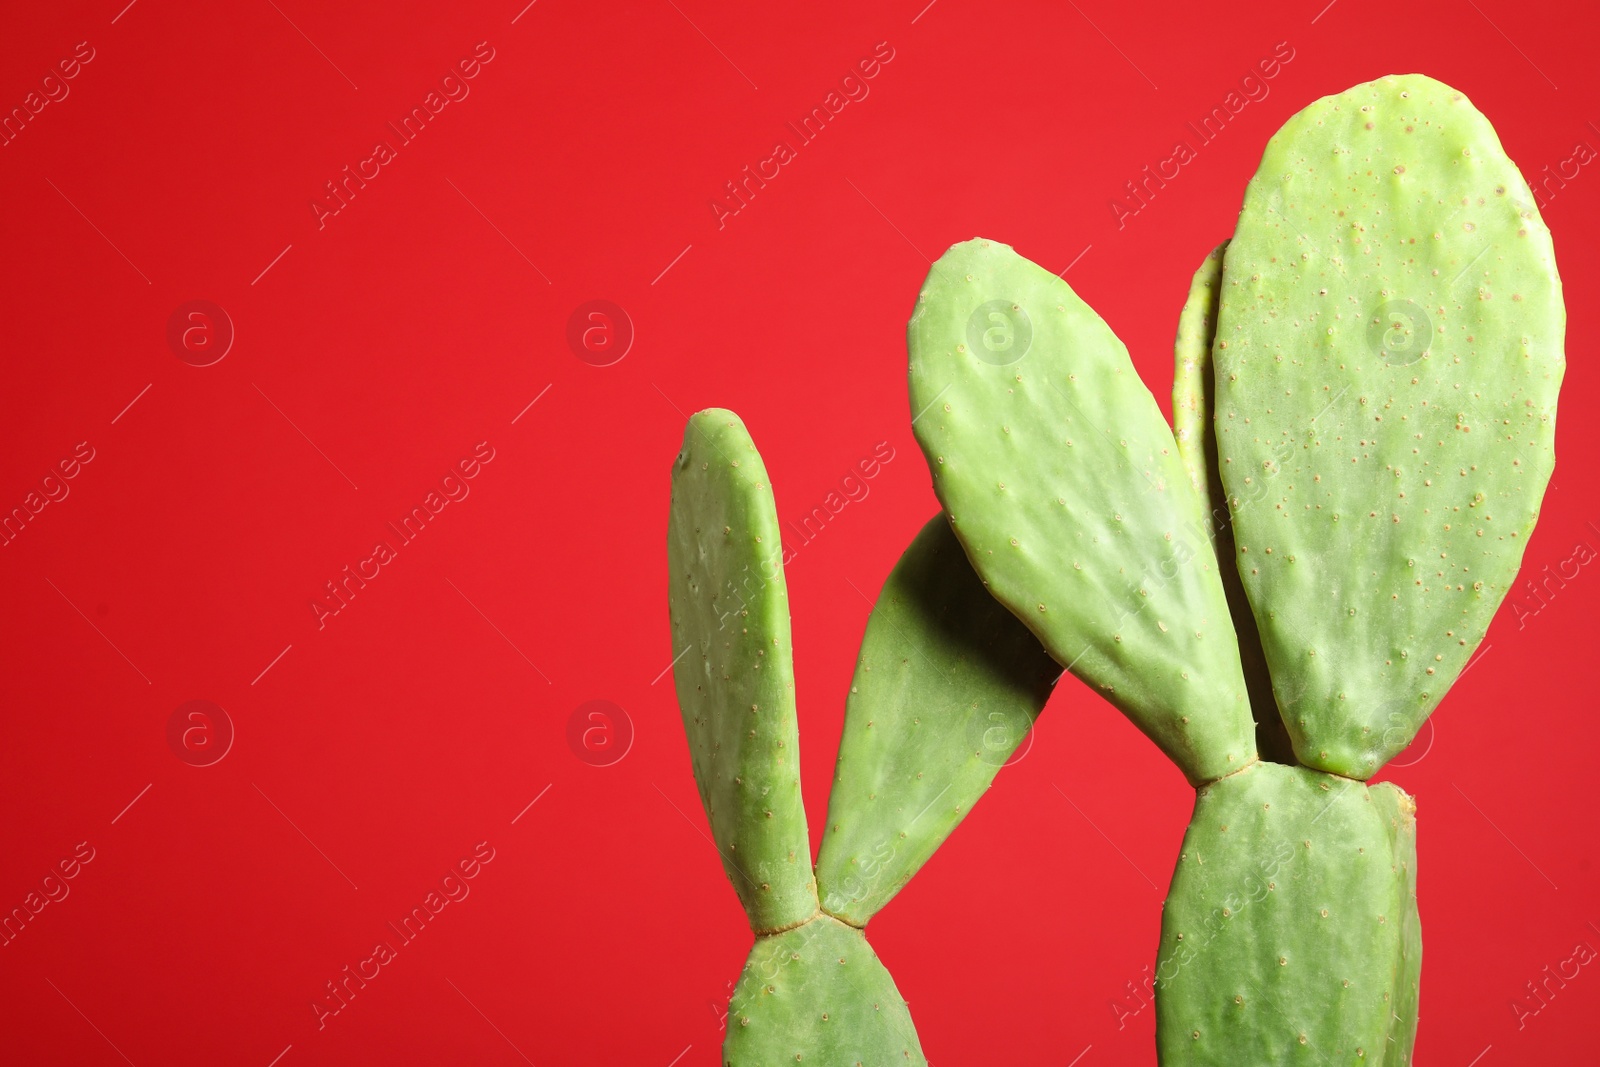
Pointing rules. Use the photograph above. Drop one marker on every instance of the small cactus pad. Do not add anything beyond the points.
(947, 684)
(818, 995)
(1401, 811)
(1281, 937)
(1388, 354)
(729, 612)
(1193, 405)
(1063, 483)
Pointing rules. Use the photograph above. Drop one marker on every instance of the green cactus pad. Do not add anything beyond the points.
(1193, 404)
(729, 612)
(1389, 350)
(947, 684)
(1193, 390)
(1282, 933)
(818, 995)
(1062, 481)
(1401, 811)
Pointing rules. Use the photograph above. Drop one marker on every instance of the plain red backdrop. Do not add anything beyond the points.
(373, 353)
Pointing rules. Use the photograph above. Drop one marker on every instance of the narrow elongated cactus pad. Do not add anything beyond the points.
(1062, 480)
(1401, 811)
(1193, 408)
(818, 995)
(1388, 355)
(1282, 934)
(729, 611)
(1194, 391)
(947, 684)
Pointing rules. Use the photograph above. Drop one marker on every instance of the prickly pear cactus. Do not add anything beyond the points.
(1284, 924)
(816, 993)
(1386, 362)
(730, 609)
(1063, 483)
(1389, 348)
(1365, 391)
(947, 684)
(1193, 401)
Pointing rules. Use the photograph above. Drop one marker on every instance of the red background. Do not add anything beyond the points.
(377, 751)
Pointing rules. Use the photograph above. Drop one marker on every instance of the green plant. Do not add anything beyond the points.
(1278, 596)
(946, 685)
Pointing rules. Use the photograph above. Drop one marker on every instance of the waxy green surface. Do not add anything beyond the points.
(1194, 391)
(1388, 354)
(818, 995)
(1282, 933)
(1400, 810)
(1061, 479)
(1193, 408)
(729, 611)
(946, 686)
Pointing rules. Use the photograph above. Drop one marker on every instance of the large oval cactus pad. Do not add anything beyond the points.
(818, 995)
(1193, 411)
(947, 684)
(1388, 356)
(729, 611)
(1062, 480)
(1281, 937)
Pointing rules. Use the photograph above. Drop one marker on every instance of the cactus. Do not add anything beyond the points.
(1391, 323)
(1277, 594)
(1364, 396)
(1193, 400)
(1063, 483)
(947, 684)
(1387, 358)
(1285, 930)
